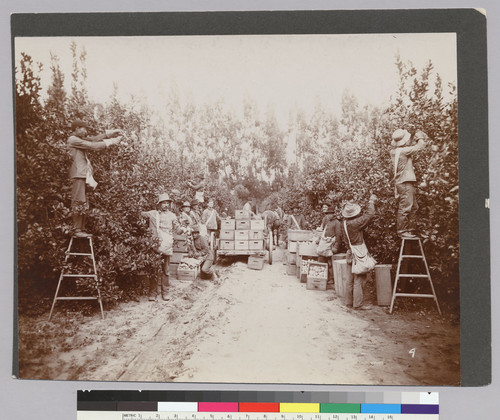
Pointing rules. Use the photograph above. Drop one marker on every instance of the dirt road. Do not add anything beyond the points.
(247, 327)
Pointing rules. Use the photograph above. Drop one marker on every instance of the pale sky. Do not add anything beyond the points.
(282, 70)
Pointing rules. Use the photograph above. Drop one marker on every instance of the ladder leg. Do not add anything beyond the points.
(55, 296)
(60, 278)
(96, 279)
(429, 275)
(397, 275)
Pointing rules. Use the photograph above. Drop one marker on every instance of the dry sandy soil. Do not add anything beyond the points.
(246, 327)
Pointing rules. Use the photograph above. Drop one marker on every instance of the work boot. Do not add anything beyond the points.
(164, 286)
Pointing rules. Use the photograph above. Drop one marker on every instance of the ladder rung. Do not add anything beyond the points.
(411, 239)
(79, 275)
(414, 275)
(413, 295)
(78, 253)
(77, 298)
(412, 256)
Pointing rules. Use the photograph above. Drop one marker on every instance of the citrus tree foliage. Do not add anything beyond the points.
(236, 157)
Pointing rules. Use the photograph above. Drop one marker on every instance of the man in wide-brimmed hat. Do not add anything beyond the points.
(163, 224)
(81, 172)
(403, 148)
(354, 223)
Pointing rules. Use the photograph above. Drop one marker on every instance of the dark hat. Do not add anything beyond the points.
(79, 123)
(186, 204)
(351, 210)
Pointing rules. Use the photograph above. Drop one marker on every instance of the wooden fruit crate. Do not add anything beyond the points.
(243, 224)
(256, 245)
(256, 262)
(241, 214)
(317, 276)
(255, 235)
(241, 235)
(241, 245)
(227, 234)
(307, 249)
(300, 235)
(291, 270)
(257, 225)
(228, 224)
(292, 246)
(226, 245)
(188, 275)
(180, 245)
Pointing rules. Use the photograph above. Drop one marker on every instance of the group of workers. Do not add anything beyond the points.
(198, 226)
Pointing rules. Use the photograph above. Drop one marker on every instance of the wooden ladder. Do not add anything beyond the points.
(400, 275)
(64, 275)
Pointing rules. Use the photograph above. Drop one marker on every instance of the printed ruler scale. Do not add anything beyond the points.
(357, 406)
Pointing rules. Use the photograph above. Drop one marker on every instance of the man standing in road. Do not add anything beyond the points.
(81, 173)
(163, 224)
(404, 178)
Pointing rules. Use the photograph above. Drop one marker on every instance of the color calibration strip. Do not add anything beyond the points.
(170, 405)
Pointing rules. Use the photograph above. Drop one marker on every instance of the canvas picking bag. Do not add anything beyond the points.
(325, 245)
(362, 261)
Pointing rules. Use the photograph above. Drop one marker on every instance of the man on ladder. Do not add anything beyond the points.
(404, 178)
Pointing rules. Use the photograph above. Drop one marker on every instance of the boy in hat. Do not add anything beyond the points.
(163, 223)
(200, 249)
(404, 177)
(210, 218)
(81, 172)
(355, 222)
(296, 220)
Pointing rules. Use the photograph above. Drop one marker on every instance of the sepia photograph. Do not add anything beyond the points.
(238, 208)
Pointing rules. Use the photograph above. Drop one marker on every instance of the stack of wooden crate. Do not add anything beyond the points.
(180, 251)
(241, 233)
(295, 239)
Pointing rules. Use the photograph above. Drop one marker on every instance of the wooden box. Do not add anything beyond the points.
(256, 244)
(255, 235)
(256, 262)
(291, 270)
(228, 224)
(180, 245)
(241, 235)
(317, 276)
(257, 224)
(292, 246)
(300, 235)
(178, 237)
(307, 249)
(241, 245)
(291, 258)
(314, 283)
(242, 224)
(241, 214)
(177, 257)
(226, 245)
(188, 274)
(226, 234)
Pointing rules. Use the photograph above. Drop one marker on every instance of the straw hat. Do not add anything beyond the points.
(351, 210)
(400, 137)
